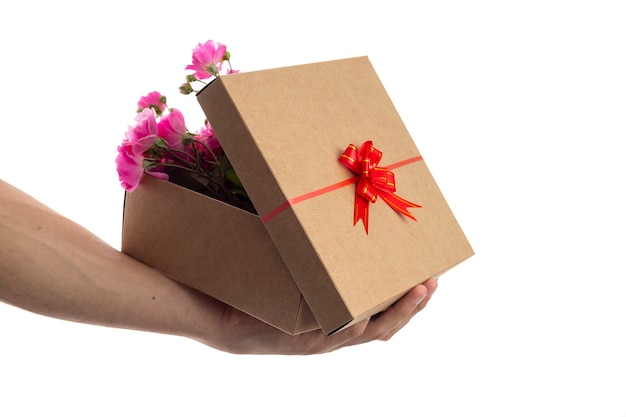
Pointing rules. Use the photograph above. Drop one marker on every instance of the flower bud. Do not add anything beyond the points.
(185, 89)
(188, 138)
(161, 143)
(213, 70)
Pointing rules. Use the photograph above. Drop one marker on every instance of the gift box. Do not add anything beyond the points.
(348, 216)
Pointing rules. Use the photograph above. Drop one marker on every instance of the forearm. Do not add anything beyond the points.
(51, 266)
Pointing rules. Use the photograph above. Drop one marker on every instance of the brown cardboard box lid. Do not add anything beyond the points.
(284, 131)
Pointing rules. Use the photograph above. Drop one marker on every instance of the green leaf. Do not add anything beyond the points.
(231, 175)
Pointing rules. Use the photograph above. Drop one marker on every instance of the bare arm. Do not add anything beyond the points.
(52, 266)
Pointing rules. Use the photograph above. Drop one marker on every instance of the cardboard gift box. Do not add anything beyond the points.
(316, 255)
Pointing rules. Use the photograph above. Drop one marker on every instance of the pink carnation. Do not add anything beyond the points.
(153, 100)
(141, 137)
(207, 59)
(206, 135)
(138, 139)
(172, 128)
(129, 167)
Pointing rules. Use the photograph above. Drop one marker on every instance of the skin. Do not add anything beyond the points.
(52, 266)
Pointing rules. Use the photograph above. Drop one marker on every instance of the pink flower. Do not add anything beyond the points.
(206, 135)
(138, 140)
(158, 172)
(207, 59)
(153, 100)
(129, 167)
(172, 128)
(141, 137)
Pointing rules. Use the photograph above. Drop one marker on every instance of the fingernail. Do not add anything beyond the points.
(419, 300)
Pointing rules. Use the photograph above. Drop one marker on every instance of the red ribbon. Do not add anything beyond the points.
(374, 181)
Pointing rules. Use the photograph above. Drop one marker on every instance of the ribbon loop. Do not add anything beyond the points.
(374, 181)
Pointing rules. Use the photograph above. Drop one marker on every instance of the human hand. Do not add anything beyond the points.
(239, 333)
(52, 266)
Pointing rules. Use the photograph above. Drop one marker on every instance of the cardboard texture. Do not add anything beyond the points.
(283, 131)
(216, 248)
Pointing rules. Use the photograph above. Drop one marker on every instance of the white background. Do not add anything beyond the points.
(519, 110)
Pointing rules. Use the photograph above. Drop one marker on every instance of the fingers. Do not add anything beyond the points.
(431, 287)
(353, 335)
(248, 335)
(387, 324)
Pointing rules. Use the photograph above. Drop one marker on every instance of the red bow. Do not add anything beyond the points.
(373, 181)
